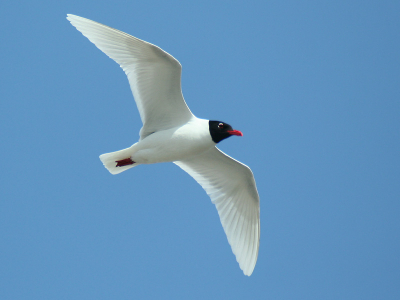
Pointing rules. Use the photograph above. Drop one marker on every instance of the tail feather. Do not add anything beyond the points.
(109, 160)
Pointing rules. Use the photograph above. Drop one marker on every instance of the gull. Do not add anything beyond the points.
(171, 133)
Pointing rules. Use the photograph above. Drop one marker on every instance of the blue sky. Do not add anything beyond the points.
(313, 85)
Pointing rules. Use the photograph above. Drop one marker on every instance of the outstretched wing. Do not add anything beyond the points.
(153, 74)
(232, 188)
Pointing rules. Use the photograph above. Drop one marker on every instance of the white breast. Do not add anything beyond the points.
(174, 144)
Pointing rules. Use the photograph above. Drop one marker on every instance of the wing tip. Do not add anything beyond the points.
(71, 16)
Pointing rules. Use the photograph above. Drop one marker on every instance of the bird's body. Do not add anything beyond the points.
(177, 143)
(174, 144)
(171, 133)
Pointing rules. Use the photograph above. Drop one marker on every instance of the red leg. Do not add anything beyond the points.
(124, 162)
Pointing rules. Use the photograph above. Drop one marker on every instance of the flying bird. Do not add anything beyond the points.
(171, 133)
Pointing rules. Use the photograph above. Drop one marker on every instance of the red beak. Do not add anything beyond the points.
(235, 132)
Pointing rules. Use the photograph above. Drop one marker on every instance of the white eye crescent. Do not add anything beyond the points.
(220, 125)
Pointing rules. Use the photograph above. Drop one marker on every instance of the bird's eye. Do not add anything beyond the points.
(221, 125)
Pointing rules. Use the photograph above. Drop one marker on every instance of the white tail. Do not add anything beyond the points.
(109, 160)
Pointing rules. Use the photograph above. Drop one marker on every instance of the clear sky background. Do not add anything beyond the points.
(313, 85)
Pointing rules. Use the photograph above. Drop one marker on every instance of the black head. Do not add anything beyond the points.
(220, 131)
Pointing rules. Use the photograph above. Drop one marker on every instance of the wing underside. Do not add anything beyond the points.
(231, 187)
(154, 75)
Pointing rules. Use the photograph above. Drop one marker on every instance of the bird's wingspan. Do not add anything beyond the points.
(153, 74)
(232, 188)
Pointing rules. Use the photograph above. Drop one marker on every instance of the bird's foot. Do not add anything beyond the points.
(124, 162)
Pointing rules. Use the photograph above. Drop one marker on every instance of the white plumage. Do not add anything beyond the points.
(171, 133)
